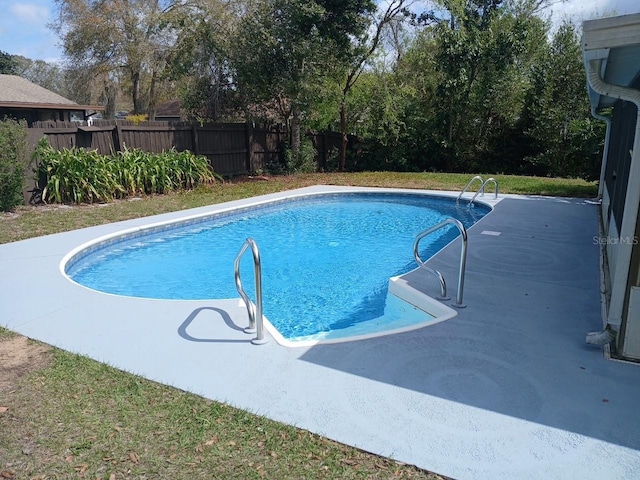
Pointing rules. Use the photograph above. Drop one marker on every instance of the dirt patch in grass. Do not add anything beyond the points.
(18, 357)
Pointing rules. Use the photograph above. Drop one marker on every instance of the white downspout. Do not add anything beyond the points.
(632, 200)
(605, 151)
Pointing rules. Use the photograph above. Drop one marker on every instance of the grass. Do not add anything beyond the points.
(27, 222)
(81, 418)
(78, 418)
(6, 334)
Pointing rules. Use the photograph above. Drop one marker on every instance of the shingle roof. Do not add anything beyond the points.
(20, 90)
(170, 107)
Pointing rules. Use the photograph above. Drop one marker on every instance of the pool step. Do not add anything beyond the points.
(401, 289)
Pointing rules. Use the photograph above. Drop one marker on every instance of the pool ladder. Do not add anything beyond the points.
(256, 322)
(480, 190)
(463, 260)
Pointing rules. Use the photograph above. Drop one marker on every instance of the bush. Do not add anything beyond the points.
(77, 176)
(306, 162)
(13, 149)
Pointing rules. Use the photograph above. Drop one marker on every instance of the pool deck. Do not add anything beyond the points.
(507, 389)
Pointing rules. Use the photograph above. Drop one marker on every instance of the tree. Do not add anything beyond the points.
(200, 61)
(363, 50)
(480, 48)
(481, 87)
(48, 75)
(8, 65)
(124, 41)
(556, 119)
(13, 154)
(284, 48)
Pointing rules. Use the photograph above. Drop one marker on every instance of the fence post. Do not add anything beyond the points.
(194, 139)
(324, 151)
(248, 132)
(117, 139)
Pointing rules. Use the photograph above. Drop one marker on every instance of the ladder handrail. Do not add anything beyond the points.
(256, 323)
(434, 272)
(484, 184)
(477, 177)
(463, 258)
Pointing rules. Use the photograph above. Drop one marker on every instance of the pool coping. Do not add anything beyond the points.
(397, 286)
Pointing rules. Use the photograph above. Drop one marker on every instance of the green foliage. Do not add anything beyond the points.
(287, 163)
(475, 86)
(123, 42)
(13, 146)
(283, 49)
(557, 123)
(80, 176)
(75, 175)
(200, 62)
(482, 87)
(306, 161)
(8, 65)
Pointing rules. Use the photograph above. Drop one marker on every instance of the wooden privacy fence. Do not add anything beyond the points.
(232, 148)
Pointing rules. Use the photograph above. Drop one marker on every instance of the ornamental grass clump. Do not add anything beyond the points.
(79, 176)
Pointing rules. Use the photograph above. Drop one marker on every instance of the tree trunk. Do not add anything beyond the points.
(109, 100)
(135, 92)
(295, 135)
(343, 131)
(152, 98)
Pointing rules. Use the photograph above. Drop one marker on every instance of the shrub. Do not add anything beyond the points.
(76, 176)
(306, 162)
(136, 119)
(13, 150)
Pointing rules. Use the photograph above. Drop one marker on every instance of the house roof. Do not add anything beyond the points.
(615, 41)
(18, 92)
(170, 108)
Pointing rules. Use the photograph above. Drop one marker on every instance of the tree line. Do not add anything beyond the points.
(445, 85)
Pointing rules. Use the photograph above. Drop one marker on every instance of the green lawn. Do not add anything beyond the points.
(73, 417)
(30, 222)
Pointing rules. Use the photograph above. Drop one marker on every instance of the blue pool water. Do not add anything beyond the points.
(326, 260)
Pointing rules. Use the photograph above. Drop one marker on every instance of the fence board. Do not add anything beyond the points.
(232, 148)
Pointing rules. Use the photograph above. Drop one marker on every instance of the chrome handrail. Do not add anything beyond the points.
(256, 324)
(434, 272)
(463, 259)
(484, 184)
(477, 177)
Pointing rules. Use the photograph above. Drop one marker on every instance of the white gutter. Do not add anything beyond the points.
(632, 200)
(605, 151)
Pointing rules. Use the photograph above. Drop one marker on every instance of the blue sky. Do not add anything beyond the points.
(23, 24)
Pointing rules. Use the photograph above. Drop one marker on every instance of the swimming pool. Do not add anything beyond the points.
(327, 259)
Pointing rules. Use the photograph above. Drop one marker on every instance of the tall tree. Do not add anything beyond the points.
(556, 120)
(200, 61)
(363, 49)
(122, 40)
(480, 45)
(283, 48)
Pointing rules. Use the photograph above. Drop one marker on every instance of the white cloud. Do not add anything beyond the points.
(30, 13)
(579, 10)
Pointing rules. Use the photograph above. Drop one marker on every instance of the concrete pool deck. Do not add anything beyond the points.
(507, 389)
